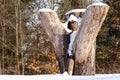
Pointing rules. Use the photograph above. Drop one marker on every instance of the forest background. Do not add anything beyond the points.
(26, 49)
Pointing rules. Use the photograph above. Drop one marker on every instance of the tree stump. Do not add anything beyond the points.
(54, 29)
(84, 44)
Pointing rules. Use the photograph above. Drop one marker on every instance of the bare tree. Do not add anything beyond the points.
(17, 35)
(3, 47)
(21, 35)
(3, 40)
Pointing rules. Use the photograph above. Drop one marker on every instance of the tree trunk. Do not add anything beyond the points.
(0, 68)
(53, 27)
(70, 66)
(3, 23)
(83, 45)
(21, 36)
(17, 35)
(88, 67)
(3, 41)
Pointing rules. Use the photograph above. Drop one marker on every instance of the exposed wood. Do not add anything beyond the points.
(88, 67)
(85, 38)
(53, 27)
(70, 66)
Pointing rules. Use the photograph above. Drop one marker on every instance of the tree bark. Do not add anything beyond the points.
(3, 47)
(88, 67)
(83, 45)
(0, 68)
(21, 36)
(17, 35)
(53, 27)
(3, 24)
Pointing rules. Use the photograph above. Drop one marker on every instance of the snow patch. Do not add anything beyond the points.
(98, 0)
(72, 18)
(60, 77)
(65, 74)
(79, 20)
(72, 38)
(97, 4)
(45, 10)
(75, 10)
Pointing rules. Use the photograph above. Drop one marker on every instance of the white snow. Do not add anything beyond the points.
(98, 0)
(98, 4)
(65, 74)
(56, 8)
(45, 10)
(72, 18)
(60, 77)
(79, 20)
(76, 10)
(72, 38)
(65, 27)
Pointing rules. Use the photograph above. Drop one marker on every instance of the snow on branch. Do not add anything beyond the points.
(45, 10)
(98, 4)
(75, 10)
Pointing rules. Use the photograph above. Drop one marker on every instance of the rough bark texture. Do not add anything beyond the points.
(85, 38)
(53, 27)
(88, 67)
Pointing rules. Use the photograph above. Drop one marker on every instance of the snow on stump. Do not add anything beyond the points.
(76, 12)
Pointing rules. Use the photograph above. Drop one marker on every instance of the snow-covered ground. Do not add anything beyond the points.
(60, 77)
